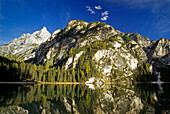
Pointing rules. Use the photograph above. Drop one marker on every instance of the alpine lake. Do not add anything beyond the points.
(82, 99)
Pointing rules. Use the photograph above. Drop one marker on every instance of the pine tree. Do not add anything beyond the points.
(78, 75)
(22, 70)
(58, 76)
(61, 76)
(47, 66)
(71, 51)
(73, 75)
(104, 45)
(40, 72)
(82, 75)
(35, 72)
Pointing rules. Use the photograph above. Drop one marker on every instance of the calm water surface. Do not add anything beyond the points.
(79, 99)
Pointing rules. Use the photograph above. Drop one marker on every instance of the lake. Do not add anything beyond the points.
(80, 99)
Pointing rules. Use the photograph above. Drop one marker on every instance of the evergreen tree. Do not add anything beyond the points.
(78, 75)
(40, 72)
(58, 76)
(73, 75)
(47, 66)
(104, 45)
(65, 76)
(22, 70)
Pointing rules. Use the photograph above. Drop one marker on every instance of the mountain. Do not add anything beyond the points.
(23, 47)
(92, 49)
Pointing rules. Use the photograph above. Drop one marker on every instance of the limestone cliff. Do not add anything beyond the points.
(22, 48)
(113, 52)
(87, 46)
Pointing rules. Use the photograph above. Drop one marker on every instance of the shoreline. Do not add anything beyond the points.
(18, 82)
(41, 83)
(69, 83)
(59, 83)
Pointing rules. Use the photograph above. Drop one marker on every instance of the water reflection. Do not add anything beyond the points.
(119, 99)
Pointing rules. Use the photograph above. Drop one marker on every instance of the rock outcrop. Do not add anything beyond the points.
(114, 53)
(110, 49)
(23, 48)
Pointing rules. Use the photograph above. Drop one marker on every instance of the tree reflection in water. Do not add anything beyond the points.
(142, 98)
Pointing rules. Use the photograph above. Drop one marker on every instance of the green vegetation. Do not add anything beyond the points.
(19, 71)
(142, 74)
(52, 96)
(84, 69)
(85, 65)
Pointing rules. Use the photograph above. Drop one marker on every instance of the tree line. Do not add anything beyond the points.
(45, 95)
(21, 71)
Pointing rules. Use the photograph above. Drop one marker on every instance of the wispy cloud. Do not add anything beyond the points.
(104, 18)
(98, 7)
(104, 15)
(163, 25)
(90, 10)
(159, 8)
(153, 5)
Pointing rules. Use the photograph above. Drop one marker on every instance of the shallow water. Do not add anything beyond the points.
(119, 99)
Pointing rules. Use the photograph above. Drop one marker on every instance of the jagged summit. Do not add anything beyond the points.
(95, 45)
(70, 44)
(23, 46)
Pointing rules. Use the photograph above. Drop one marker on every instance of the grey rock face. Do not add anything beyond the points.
(122, 52)
(79, 34)
(161, 48)
(121, 55)
(160, 53)
(142, 41)
(157, 52)
(23, 47)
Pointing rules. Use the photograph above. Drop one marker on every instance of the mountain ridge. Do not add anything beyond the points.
(25, 44)
(85, 46)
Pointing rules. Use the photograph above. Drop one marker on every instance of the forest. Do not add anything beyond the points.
(14, 70)
(22, 71)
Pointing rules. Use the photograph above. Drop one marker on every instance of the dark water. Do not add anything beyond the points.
(55, 99)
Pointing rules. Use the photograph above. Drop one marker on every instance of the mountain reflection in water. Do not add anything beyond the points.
(119, 99)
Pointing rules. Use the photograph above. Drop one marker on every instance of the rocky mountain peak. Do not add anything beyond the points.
(141, 40)
(81, 44)
(44, 29)
(23, 46)
(161, 48)
(76, 22)
(74, 26)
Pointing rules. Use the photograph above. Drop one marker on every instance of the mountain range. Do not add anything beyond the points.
(92, 46)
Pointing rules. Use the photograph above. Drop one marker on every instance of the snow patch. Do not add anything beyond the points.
(83, 43)
(76, 58)
(107, 70)
(117, 45)
(70, 60)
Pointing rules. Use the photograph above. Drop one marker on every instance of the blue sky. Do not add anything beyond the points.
(150, 18)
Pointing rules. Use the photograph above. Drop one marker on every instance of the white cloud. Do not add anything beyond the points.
(104, 18)
(153, 5)
(98, 7)
(105, 13)
(89, 9)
